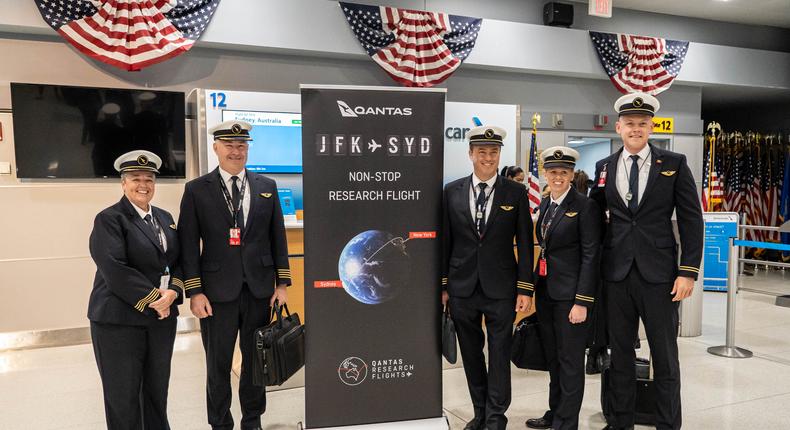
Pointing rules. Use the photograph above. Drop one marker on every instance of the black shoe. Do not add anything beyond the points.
(539, 423)
(543, 422)
(611, 427)
(477, 423)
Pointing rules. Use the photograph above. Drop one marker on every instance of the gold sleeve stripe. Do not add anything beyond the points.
(689, 269)
(192, 283)
(585, 299)
(145, 301)
(178, 283)
(524, 283)
(526, 288)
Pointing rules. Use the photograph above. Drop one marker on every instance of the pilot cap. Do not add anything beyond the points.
(138, 160)
(486, 135)
(637, 104)
(559, 156)
(232, 130)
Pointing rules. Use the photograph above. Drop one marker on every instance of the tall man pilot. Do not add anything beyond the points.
(483, 213)
(240, 272)
(642, 186)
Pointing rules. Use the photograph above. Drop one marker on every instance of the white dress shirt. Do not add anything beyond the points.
(559, 199)
(624, 169)
(245, 199)
(158, 227)
(489, 192)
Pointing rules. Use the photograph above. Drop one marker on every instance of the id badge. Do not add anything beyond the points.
(602, 179)
(235, 236)
(542, 267)
(164, 282)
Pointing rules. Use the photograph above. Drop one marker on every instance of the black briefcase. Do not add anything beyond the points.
(527, 347)
(645, 409)
(449, 339)
(279, 348)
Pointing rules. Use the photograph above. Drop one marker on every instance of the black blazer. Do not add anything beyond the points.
(218, 269)
(129, 264)
(469, 258)
(573, 242)
(646, 237)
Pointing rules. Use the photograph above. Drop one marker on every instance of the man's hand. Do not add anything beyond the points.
(162, 304)
(445, 298)
(200, 306)
(578, 314)
(523, 303)
(280, 294)
(683, 288)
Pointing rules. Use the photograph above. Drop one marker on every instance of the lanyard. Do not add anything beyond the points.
(544, 227)
(234, 211)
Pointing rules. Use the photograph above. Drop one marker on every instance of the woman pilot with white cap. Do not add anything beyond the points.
(568, 231)
(134, 301)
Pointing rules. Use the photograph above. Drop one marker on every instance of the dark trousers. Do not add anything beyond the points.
(564, 344)
(490, 390)
(134, 365)
(239, 317)
(627, 301)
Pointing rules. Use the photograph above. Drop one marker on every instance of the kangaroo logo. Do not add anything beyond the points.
(345, 109)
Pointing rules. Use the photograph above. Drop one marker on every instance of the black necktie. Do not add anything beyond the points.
(633, 184)
(479, 206)
(150, 223)
(236, 200)
(547, 220)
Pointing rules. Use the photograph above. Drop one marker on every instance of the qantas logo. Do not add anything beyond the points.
(357, 111)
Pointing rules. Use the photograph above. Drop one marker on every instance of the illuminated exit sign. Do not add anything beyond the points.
(602, 8)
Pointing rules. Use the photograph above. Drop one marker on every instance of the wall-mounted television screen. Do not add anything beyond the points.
(276, 145)
(78, 132)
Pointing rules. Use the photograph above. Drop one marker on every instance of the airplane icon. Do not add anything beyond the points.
(373, 146)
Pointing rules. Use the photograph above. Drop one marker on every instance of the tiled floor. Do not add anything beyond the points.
(58, 388)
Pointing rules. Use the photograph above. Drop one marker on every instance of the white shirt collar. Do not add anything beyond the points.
(226, 176)
(490, 182)
(141, 212)
(642, 154)
(559, 200)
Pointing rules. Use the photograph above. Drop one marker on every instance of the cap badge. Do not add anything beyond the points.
(489, 133)
(236, 128)
(142, 160)
(558, 154)
(638, 102)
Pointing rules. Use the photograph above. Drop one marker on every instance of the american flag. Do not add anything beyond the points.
(129, 34)
(533, 179)
(712, 192)
(639, 63)
(734, 188)
(416, 48)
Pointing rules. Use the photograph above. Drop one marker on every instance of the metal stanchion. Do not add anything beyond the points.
(729, 349)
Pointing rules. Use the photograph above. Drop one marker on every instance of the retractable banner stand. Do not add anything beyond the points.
(372, 161)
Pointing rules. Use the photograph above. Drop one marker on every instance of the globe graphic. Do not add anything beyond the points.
(374, 267)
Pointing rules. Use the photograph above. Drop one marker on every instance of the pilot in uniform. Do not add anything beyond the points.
(483, 214)
(569, 234)
(641, 186)
(134, 302)
(235, 263)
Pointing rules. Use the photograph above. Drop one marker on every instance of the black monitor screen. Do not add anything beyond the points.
(78, 132)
